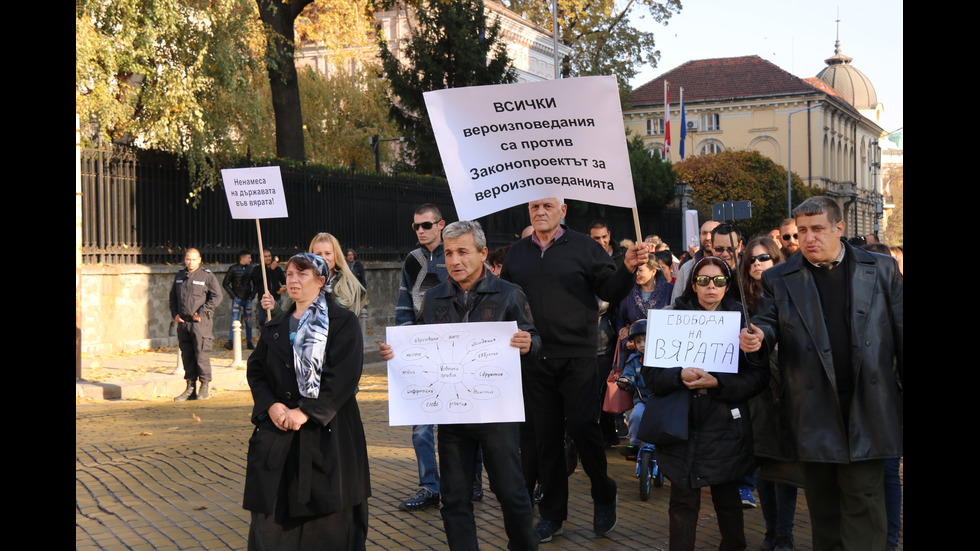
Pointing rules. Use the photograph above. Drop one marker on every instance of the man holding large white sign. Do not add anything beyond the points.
(473, 294)
(508, 144)
(563, 271)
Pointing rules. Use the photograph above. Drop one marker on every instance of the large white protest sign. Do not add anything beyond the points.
(255, 192)
(508, 144)
(693, 338)
(454, 373)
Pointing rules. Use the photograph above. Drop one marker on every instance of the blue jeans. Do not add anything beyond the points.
(634, 424)
(459, 446)
(424, 442)
(778, 501)
(893, 500)
(239, 305)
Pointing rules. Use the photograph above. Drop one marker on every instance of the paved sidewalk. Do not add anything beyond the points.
(154, 474)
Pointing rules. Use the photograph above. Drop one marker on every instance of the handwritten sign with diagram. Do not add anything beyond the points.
(454, 373)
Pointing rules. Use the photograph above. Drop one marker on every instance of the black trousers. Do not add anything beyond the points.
(685, 504)
(458, 448)
(196, 340)
(560, 396)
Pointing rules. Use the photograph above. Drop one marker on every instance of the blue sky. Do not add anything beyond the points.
(794, 34)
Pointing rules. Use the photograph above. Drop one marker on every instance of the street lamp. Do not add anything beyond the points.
(789, 163)
(877, 194)
(682, 191)
(375, 143)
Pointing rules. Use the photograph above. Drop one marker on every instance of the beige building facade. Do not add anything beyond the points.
(531, 48)
(748, 103)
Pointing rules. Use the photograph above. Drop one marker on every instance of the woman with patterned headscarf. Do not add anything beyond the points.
(307, 479)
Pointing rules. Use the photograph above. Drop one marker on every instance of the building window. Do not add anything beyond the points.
(710, 122)
(710, 148)
(655, 127)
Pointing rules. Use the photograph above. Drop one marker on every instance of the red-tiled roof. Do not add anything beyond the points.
(721, 78)
(829, 90)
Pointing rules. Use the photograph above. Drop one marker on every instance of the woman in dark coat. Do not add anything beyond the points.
(307, 479)
(718, 450)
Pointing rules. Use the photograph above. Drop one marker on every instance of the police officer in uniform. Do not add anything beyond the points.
(193, 297)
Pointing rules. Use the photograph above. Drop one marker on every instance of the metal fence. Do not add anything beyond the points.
(136, 211)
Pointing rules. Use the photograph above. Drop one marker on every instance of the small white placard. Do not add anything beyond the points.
(693, 338)
(255, 192)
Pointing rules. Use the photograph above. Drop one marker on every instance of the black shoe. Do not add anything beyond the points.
(629, 452)
(422, 499)
(784, 543)
(228, 345)
(249, 345)
(621, 428)
(768, 542)
(604, 519)
(546, 529)
(478, 488)
(538, 494)
(203, 393)
(189, 393)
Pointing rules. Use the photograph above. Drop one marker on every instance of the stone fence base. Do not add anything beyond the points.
(126, 308)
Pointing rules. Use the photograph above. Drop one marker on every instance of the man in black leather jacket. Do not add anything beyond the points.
(473, 294)
(836, 313)
(238, 285)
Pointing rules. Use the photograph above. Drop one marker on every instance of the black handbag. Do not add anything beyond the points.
(665, 418)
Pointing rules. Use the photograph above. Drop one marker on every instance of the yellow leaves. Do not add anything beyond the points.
(196, 418)
(338, 26)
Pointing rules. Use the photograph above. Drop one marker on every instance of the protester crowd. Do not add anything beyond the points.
(816, 402)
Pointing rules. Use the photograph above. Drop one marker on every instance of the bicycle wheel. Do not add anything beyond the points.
(658, 478)
(646, 474)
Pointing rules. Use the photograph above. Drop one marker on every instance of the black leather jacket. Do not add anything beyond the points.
(491, 299)
(790, 315)
(238, 281)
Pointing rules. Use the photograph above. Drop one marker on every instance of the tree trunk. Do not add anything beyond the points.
(279, 18)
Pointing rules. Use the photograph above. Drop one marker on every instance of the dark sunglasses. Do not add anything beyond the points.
(719, 250)
(787, 236)
(719, 281)
(761, 258)
(424, 225)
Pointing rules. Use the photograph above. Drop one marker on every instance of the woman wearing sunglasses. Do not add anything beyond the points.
(778, 478)
(718, 451)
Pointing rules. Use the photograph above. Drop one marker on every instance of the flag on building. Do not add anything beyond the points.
(683, 124)
(666, 120)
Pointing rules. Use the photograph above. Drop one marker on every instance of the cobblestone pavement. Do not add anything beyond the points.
(155, 474)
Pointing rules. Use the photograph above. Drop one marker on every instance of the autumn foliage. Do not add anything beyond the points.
(735, 175)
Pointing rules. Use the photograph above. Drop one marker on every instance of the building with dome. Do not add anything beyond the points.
(830, 141)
